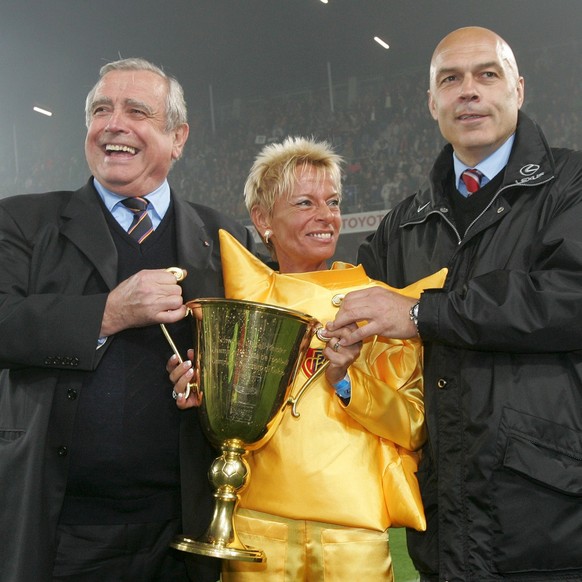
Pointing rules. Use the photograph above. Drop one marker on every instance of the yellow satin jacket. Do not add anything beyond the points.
(353, 464)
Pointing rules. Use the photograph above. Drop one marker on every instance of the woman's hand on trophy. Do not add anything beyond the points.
(340, 357)
(183, 375)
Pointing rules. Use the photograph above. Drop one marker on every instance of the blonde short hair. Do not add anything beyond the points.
(273, 172)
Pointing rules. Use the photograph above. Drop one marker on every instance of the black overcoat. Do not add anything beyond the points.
(53, 248)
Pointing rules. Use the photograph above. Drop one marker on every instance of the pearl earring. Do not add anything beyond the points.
(267, 235)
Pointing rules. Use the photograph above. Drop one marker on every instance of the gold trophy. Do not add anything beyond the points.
(247, 356)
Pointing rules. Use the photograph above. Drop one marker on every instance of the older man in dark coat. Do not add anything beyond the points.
(90, 437)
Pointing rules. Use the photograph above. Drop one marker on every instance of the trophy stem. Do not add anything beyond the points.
(229, 475)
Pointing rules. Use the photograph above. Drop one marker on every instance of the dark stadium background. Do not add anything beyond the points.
(254, 70)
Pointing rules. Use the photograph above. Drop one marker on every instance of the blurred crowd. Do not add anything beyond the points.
(380, 126)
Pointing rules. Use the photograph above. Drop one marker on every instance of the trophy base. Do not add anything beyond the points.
(241, 553)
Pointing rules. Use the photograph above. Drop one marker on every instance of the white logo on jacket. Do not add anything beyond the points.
(529, 169)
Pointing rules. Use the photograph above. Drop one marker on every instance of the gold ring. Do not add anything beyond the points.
(336, 347)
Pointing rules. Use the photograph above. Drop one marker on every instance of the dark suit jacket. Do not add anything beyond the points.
(56, 259)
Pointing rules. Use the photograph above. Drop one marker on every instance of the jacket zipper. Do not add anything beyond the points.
(497, 196)
(498, 193)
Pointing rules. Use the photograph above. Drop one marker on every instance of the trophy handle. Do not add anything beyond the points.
(336, 301)
(293, 401)
(180, 275)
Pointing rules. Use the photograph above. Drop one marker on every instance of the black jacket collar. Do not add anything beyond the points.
(530, 163)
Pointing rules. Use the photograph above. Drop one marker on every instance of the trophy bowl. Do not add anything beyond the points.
(247, 356)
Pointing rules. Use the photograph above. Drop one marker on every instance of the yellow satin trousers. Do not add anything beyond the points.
(308, 551)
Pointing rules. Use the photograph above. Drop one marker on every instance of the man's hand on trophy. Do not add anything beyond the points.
(146, 298)
(181, 375)
(379, 311)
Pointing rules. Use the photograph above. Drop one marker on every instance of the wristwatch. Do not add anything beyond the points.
(414, 315)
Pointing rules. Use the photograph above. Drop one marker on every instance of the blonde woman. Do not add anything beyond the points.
(327, 486)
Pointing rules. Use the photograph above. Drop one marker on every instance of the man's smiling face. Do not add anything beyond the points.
(128, 148)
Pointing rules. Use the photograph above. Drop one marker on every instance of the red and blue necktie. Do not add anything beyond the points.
(141, 227)
(472, 180)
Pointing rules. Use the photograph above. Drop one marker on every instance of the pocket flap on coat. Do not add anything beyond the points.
(546, 452)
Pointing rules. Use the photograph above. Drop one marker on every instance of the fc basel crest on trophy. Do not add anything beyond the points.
(314, 359)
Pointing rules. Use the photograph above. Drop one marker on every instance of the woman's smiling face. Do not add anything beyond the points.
(305, 222)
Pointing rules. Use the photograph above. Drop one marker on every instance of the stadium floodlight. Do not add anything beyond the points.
(43, 111)
(381, 42)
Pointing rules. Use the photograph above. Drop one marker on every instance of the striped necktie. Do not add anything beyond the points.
(141, 227)
(472, 179)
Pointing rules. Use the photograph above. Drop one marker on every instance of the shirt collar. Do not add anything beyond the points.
(489, 167)
(159, 201)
